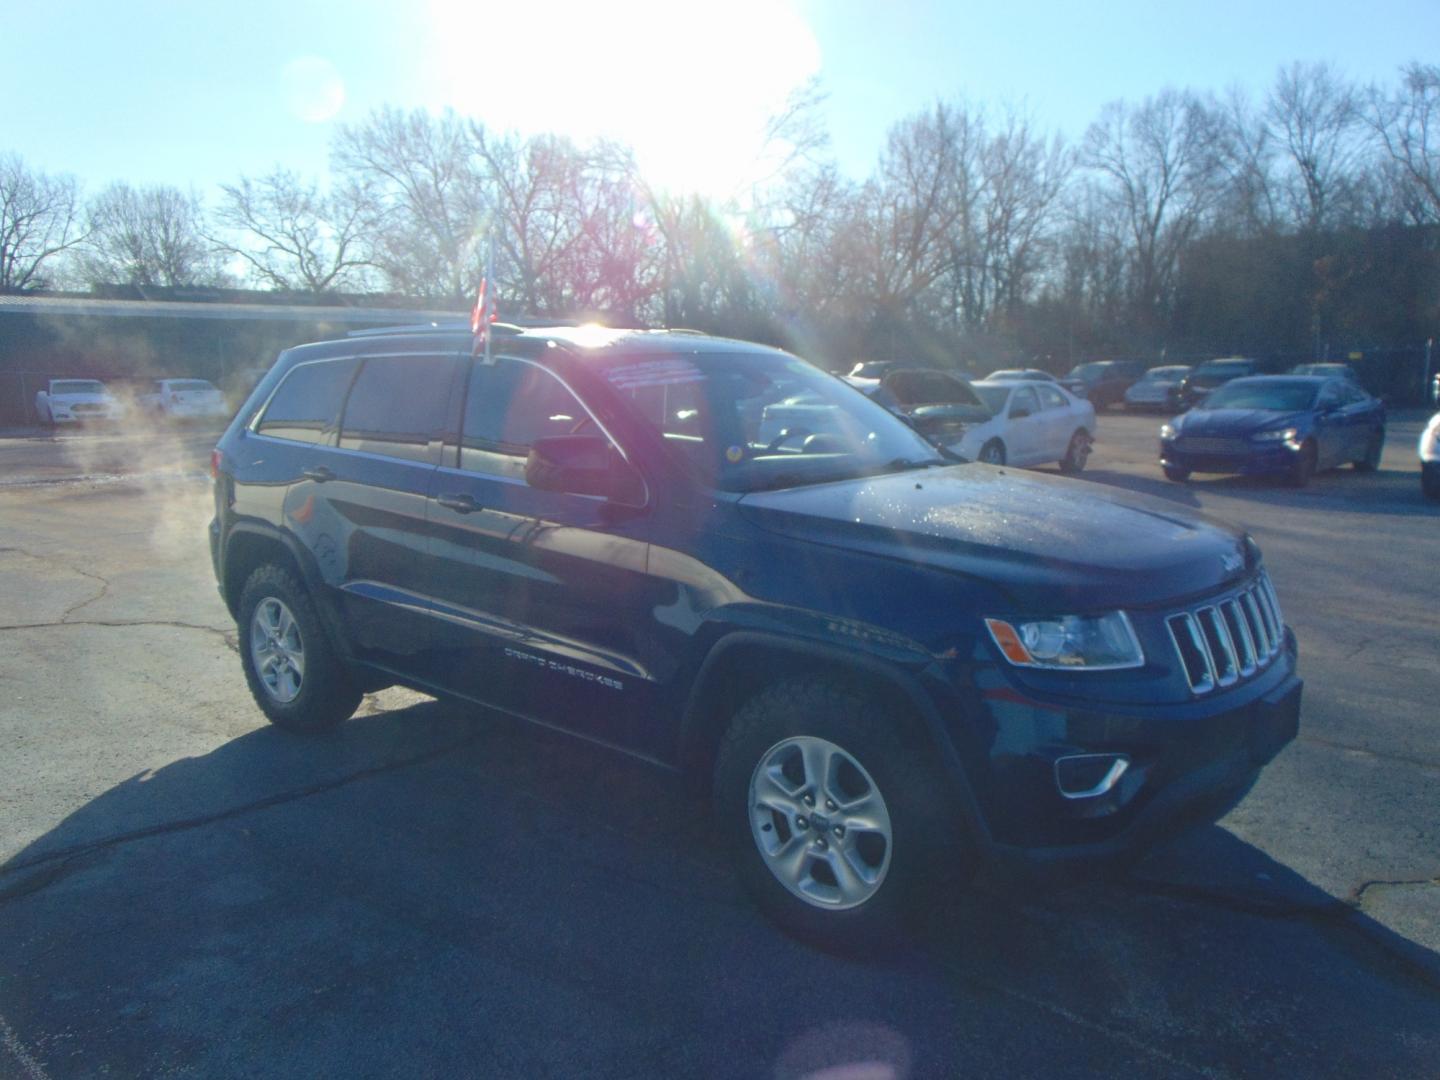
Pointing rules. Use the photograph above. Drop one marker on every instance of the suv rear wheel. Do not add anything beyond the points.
(295, 676)
(832, 821)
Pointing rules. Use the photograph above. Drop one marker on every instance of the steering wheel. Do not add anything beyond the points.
(786, 434)
(581, 424)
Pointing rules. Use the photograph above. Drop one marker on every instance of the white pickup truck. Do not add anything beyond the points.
(75, 401)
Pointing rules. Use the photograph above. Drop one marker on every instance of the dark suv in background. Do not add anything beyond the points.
(1104, 382)
(1207, 377)
(885, 667)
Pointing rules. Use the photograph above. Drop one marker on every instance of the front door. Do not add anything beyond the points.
(543, 598)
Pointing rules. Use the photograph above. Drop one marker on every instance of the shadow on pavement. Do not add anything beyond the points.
(508, 901)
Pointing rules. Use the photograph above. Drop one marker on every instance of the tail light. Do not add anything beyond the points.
(215, 457)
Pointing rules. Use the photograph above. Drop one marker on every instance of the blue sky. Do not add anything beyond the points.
(193, 95)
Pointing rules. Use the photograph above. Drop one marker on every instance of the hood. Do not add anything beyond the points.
(1235, 421)
(1055, 544)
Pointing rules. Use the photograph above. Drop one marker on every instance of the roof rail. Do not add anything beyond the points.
(448, 325)
(681, 330)
(413, 328)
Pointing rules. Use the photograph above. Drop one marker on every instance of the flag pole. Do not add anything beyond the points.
(489, 286)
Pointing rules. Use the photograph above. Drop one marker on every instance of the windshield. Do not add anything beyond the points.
(1228, 369)
(993, 396)
(1088, 371)
(1165, 374)
(1272, 396)
(750, 421)
(77, 386)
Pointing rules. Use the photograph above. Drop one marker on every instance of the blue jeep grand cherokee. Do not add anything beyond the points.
(885, 666)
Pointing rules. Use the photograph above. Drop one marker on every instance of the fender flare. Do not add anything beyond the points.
(309, 570)
(698, 722)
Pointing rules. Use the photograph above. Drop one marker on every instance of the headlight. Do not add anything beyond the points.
(1288, 434)
(1069, 642)
(1167, 431)
(1430, 440)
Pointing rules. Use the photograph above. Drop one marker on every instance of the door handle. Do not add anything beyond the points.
(461, 504)
(318, 473)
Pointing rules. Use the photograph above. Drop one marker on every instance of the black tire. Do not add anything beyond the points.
(1304, 467)
(325, 691)
(923, 847)
(1176, 474)
(993, 452)
(1373, 451)
(1077, 453)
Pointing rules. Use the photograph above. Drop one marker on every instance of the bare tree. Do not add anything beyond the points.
(1159, 162)
(1408, 125)
(1249, 203)
(148, 236)
(1023, 175)
(39, 219)
(565, 222)
(429, 200)
(923, 194)
(1315, 116)
(291, 235)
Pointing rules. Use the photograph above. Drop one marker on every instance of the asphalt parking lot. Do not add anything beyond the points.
(436, 892)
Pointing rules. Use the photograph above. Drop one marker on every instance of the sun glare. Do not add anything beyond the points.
(688, 86)
(314, 88)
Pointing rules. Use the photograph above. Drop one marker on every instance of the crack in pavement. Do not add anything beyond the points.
(1357, 896)
(64, 564)
(229, 637)
(1331, 744)
(1345, 915)
(63, 855)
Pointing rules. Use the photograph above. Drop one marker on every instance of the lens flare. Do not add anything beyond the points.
(313, 88)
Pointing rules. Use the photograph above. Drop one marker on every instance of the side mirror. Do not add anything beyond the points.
(583, 465)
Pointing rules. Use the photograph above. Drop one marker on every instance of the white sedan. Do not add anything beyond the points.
(76, 401)
(998, 421)
(184, 399)
(1031, 423)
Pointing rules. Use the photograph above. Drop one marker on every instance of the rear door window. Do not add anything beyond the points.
(306, 405)
(398, 407)
(1024, 403)
(1050, 398)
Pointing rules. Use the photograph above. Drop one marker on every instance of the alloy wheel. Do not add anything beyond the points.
(277, 650)
(820, 822)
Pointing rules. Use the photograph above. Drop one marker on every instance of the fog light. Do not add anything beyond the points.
(1085, 776)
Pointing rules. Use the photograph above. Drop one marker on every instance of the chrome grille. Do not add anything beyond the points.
(1200, 444)
(1220, 644)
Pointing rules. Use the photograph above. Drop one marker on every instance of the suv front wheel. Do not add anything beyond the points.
(832, 821)
(295, 675)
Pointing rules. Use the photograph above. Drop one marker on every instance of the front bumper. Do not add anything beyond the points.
(1185, 763)
(1259, 459)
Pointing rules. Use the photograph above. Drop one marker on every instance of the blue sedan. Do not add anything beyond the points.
(1285, 425)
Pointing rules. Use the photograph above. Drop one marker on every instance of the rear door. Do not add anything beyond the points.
(544, 599)
(1024, 433)
(1058, 422)
(396, 418)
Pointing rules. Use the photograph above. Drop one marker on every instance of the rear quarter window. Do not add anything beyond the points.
(306, 404)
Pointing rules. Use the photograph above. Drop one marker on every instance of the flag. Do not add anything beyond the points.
(486, 310)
